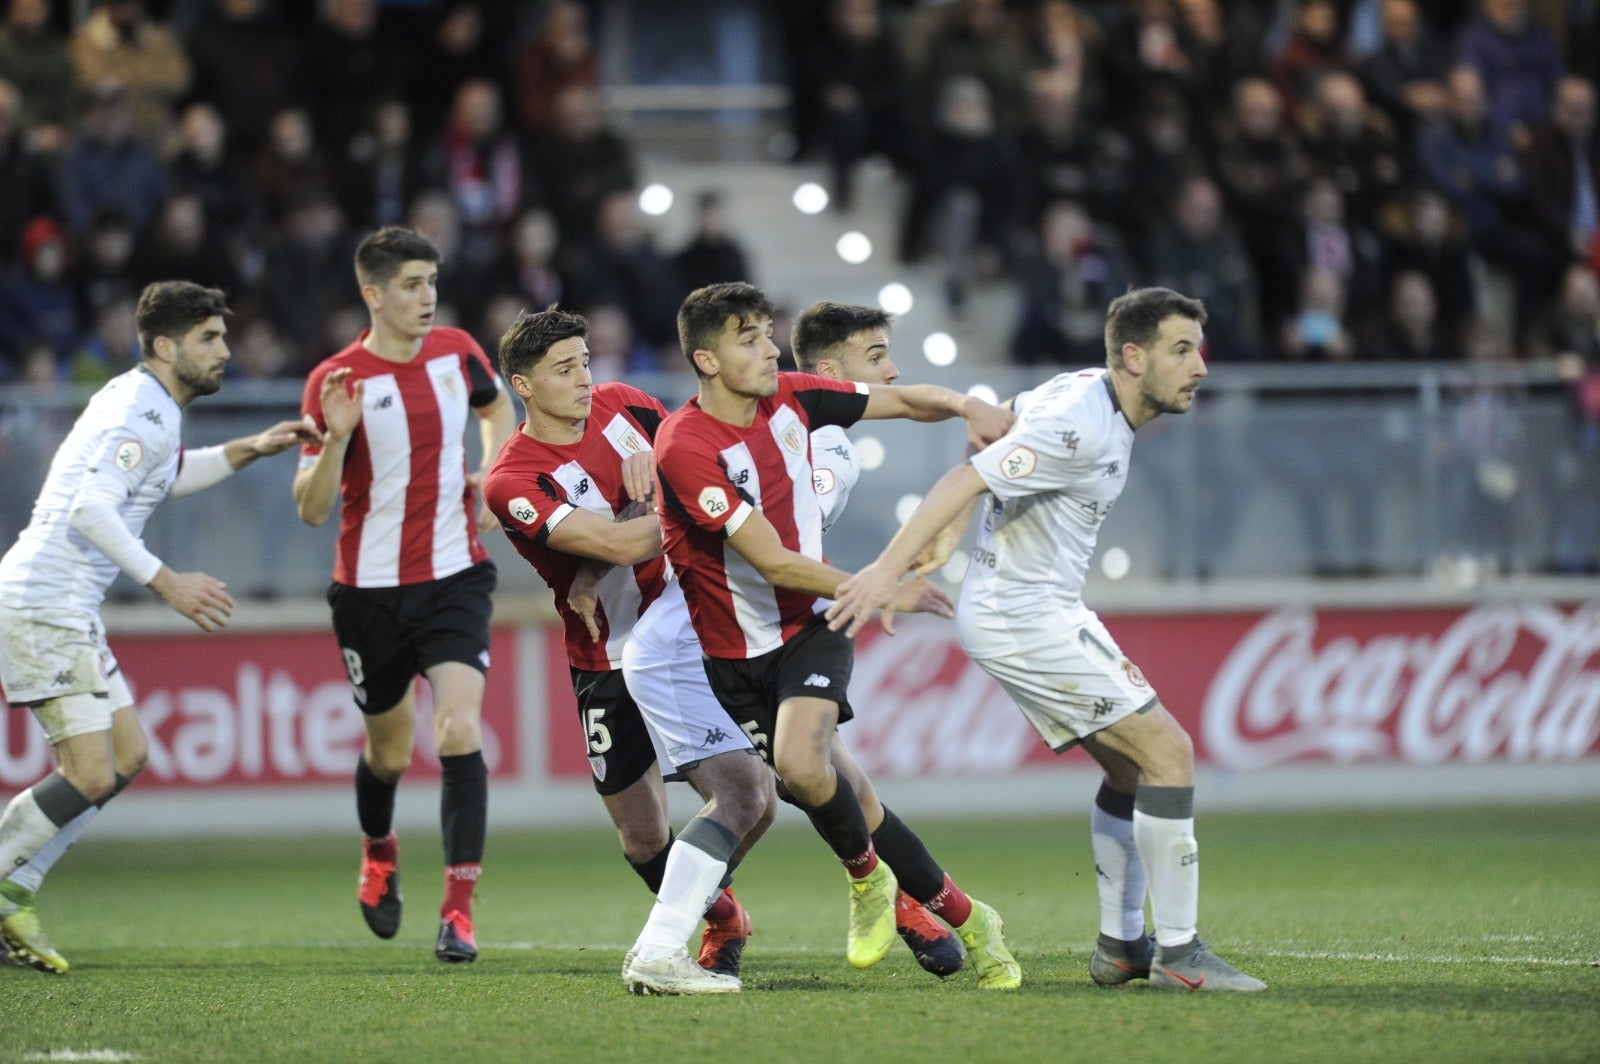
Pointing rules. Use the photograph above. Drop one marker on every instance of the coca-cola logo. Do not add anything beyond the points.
(1514, 682)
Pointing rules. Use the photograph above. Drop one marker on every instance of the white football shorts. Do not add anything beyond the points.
(666, 676)
(1073, 688)
(49, 655)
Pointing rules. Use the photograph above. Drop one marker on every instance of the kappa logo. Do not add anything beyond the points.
(1019, 463)
(822, 481)
(714, 501)
(713, 737)
(63, 677)
(1069, 440)
(129, 455)
(152, 416)
(1112, 470)
(839, 449)
(1102, 707)
(523, 510)
(816, 679)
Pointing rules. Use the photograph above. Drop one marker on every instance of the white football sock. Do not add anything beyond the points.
(24, 831)
(1119, 874)
(1171, 859)
(32, 874)
(691, 879)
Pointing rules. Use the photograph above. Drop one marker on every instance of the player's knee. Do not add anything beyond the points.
(640, 842)
(456, 729)
(132, 762)
(808, 780)
(388, 763)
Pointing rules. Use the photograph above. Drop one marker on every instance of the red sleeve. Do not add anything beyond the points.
(311, 403)
(526, 502)
(695, 485)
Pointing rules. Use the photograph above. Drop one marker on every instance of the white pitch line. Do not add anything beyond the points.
(81, 1054)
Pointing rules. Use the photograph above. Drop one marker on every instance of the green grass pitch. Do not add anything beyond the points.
(1459, 935)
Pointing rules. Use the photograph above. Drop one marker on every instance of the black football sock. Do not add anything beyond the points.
(374, 801)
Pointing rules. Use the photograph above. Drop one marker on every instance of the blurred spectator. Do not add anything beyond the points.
(1331, 243)
(180, 246)
(1197, 252)
(120, 42)
(1472, 162)
(1409, 329)
(292, 165)
(963, 191)
(464, 283)
(558, 56)
(1314, 49)
(1261, 168)
(105, 165)
(1423, 236)
(1148, 48)
(30, 430)
(1519, 64)
(479, 160)
(977, 39)
(1071, 48)
(1166, 151)
(1064, 157)
(1406, 74)
(245, 64)
(100, 272)
(307, 271)
(260, 351)
(1065, 288)
(383, 169)
(622, 266)
(35, 301)
(28, 183)
(352, 67)
(1569, 330)
(1317, 332)
(110, 347)
(527, 269)
(1216, 58)
(33, 57)
(614, 352)
(207, 165)
(1563, 172)
(1355, 145)
(580, 162)
(712, 255)
(498, 314)
(854, 68)
(468, 43)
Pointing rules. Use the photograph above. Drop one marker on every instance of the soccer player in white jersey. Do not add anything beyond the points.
(122, 457)
(411, 578)
(1051, 481)
(850, 342)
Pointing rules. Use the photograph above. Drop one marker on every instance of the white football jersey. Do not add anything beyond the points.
(124, 451)
(835, 468)
(1052, 480)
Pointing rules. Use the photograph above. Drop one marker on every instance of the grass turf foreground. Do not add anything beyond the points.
(1455, 935)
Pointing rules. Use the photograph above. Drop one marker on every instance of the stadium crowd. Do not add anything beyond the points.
(1360, 179)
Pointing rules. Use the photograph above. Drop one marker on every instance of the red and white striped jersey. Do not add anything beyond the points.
(407, 512)
(712, 476)
(533, 486)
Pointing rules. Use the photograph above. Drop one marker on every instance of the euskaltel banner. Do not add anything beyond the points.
(253, 709)
(1502, 683)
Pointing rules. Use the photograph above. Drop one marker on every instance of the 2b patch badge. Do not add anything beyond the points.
(523, 510)
(129, 455)
(1019, 463)
(714, 501)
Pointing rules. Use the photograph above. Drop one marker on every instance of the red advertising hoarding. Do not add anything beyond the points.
(263, 709)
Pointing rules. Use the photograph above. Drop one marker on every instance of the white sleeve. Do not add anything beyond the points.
(1044, 451)
(101, 524)
(201, 469)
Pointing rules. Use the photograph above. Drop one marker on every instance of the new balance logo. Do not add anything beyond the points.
(386, 402)
(741, 478)
(816, 679)
(582, 488)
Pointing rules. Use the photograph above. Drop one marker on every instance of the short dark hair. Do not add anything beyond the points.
(706, 310)
(825, 325)
(1135, 317)
(172, 308)
(533, 334)
(381, 254)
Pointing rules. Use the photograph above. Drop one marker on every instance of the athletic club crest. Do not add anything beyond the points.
(794, 440)
(597, 765)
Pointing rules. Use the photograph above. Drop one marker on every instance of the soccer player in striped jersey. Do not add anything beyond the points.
(411, 578)
(850, 342)
(741, 524)
(573, 492)
(1051, 481)
(122, 457)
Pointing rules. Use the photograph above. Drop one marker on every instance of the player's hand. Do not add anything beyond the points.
(584, 598)
(935, 554)
(202, 598)
(985, 421)
(341, 403)
(639, 476)
(862, 596)
(283, 435)
(919, 595)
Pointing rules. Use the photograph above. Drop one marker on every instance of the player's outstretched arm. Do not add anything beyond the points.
(202, 598)
(207, 466)
(874, 588)
(929, 402)
(316, 489)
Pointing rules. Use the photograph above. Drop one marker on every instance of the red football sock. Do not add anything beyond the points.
(861, 867)
(951, 903)
(723, 908)
(459, 882)
(385, 849)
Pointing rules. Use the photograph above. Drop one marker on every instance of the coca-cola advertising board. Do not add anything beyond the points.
(1492, 683)
(262, 709)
